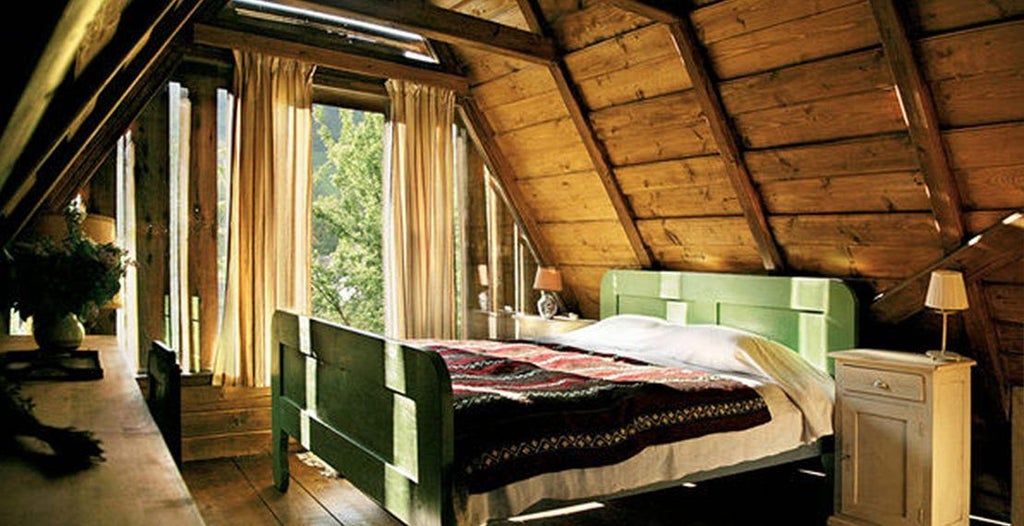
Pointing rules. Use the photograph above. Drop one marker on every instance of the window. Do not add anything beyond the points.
(348, 275)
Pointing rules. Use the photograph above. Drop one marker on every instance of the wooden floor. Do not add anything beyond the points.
(240, 491)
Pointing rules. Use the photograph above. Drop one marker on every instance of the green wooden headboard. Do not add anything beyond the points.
(813, 316)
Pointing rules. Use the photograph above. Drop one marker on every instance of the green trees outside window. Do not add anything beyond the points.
(347, 273)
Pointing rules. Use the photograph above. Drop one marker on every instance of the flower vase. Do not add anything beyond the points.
(57, 333)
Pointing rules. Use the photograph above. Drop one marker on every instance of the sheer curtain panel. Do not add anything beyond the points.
(269, 239)
(419, 242)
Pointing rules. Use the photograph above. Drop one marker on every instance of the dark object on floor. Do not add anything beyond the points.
(57, 451)
(163, 395)
(41, 365)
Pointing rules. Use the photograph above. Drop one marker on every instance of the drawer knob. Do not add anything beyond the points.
(879, 384)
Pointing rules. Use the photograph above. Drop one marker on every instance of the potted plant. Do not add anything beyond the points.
(61, 282)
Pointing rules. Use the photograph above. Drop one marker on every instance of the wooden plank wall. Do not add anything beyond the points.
(810, 92)
(221, 422)
(1003, 290)
(218, 421)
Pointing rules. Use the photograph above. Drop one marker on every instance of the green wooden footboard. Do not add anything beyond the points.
(378, 412)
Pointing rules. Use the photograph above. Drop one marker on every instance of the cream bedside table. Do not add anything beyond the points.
(903, 439)
(528, 326)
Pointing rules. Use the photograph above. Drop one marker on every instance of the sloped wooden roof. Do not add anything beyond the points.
(863, 139)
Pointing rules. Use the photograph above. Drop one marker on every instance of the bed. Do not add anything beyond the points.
(382, 412)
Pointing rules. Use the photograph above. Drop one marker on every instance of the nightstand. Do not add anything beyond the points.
(903, 439)
(528, 326)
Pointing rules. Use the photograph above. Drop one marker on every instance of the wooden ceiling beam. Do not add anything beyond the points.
(922, 121)
(484, 137)
(989, 250)
(46, 77)
(726, 138)
(440, 24)
(229, 38)
(109, 126)
(53, 159)
(573, 101)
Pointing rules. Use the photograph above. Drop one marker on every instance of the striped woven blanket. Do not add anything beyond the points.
(522, 409)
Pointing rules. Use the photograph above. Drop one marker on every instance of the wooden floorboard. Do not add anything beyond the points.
(240, 491)
(291, 507)
(224, 495)
(346, 503)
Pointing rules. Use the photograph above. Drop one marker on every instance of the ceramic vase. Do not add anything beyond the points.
(57, 333)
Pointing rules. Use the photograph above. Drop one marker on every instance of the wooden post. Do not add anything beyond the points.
(202, 203)
(152, 211)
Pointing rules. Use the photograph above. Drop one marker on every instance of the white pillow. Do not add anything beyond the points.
(715, 348)
(657, 341)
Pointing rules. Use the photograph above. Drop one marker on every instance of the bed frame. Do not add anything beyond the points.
(381, 412)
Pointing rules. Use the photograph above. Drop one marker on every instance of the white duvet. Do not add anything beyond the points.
(715, 348)
(799, 397)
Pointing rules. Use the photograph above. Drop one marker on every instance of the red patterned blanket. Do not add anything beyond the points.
(522, 409)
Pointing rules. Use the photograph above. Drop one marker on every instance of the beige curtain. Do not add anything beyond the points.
(419, 244)
(269, 239)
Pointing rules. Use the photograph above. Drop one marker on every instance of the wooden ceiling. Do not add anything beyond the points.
(868, 140)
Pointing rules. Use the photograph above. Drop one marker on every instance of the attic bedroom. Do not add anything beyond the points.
(312, 194)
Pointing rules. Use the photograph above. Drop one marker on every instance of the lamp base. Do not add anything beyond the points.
(944, 356)
(547, 305)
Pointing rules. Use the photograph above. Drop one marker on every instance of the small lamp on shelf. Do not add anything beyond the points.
(947, 294)
(548, 281)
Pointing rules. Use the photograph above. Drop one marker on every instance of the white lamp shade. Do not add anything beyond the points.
(946, 291)
(548, 278)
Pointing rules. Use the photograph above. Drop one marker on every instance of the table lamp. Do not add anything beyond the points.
(946, 293)
(548, 281)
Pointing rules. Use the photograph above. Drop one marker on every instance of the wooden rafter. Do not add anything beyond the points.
(989, 250)
(439, 24)
(922, 122)
(483, 135)
(49, 72)
(573, 101)
(97, 146)
(63, 152)
(375, 67)
(722, 129)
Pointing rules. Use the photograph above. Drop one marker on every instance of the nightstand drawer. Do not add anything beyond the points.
(907, 386)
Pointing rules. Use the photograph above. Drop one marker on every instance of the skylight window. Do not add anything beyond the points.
(407, 44)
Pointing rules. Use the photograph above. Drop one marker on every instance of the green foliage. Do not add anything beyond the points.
(73, 275)
(348, 274)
